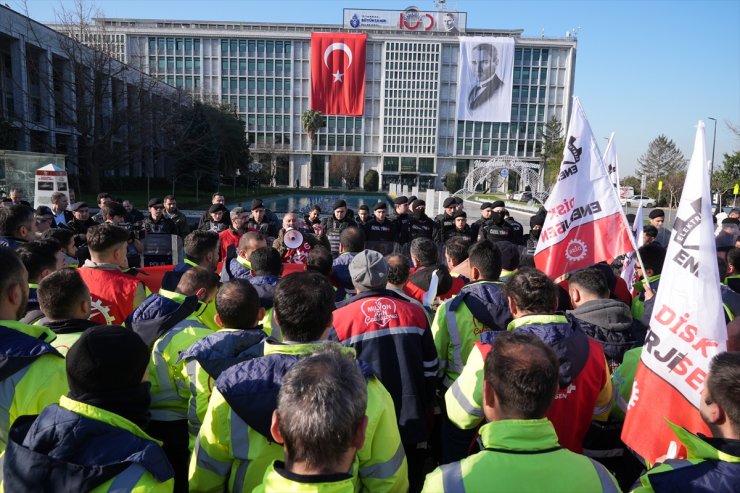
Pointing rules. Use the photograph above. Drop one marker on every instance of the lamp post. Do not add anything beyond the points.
(711, 166)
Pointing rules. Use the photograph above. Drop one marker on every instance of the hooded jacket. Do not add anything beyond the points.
(72, 446)
(67, 331)
(459, 322)
(235, 447)
(208, 358)
(585, 390)
(610, 323)
(160, 312)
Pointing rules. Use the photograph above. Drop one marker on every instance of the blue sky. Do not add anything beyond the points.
(643, 67)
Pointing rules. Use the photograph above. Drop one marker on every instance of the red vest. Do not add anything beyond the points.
(112, 293)
(572, 410)
(228, 238)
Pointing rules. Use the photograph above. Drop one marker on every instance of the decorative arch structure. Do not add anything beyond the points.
(483, 170)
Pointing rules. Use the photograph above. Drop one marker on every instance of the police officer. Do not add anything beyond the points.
(517, 230)
(420, 225)
(462, 229)
(485, 215)
(445, 223)
(381, 233)
(495, 228)
(334, 225)
(401, 206)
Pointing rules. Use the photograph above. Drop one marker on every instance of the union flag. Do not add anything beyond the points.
(585, 223)
(338, 73)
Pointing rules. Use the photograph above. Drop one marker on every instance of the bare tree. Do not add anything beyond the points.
(113, 112)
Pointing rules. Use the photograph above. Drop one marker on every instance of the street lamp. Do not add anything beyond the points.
(714, 141)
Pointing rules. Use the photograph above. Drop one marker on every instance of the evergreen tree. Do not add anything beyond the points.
(553, 145)
(661, 159)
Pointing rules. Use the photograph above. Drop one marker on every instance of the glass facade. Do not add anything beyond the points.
(408, 133)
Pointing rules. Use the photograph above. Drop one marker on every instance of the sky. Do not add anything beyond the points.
(643, 67)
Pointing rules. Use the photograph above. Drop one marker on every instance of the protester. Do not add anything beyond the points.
(59, 202)
(425, 256)
(351, 242)
(320, 260)
(653, 256)
(713, 464)
(399, 269)
(238, 339)
(320, 422)
(40, 259)
(114, 213)
(169, 323)
(585, 390)
(657, 218)
(81, 218)
(230, 237)
(44, 218)
(456, 256)
(66, 239)
(457, 326)
(521, 450)
(240, 267)
(510, 259)
(32, 372)
(64, 300)
(394, 337)
(133, 215)
(298, 254)
(102, 200)
(17, 226)
(172, 213)
(267, 267)
(93, 439)
(16, 196)
(235, 446)
(114, 293)
(201, 250)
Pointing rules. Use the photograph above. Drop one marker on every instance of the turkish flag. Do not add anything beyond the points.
(338, 73)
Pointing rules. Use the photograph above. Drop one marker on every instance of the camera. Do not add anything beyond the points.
(136, 231)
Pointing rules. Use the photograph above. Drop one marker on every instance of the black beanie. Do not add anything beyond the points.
(538, 219)
(339, 203)
(106, 358)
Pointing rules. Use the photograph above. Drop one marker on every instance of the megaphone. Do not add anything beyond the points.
(292, 238)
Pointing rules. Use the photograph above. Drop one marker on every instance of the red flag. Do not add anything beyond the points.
(585, 223)
(338, 73)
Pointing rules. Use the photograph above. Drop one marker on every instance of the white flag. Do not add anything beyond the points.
(584, 223)
(611, 162)
(687, 327)
(628, 270)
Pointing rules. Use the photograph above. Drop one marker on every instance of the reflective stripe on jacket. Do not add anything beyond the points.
(74, 446)
(521, 455)
(233, 450)
(585, 387)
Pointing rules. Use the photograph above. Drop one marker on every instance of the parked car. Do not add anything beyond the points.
(522, 196)
(634, 201)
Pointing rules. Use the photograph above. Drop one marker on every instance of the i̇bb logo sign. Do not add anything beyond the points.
(413, 20)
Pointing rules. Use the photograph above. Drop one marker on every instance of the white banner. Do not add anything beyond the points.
(688, 326)
(484, 79)
(585, 223)
(611, 162)
(628, 269)
(410, 19)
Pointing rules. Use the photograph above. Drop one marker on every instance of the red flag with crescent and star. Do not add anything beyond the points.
(338, 73)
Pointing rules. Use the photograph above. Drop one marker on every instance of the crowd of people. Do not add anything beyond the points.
(398, 353)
